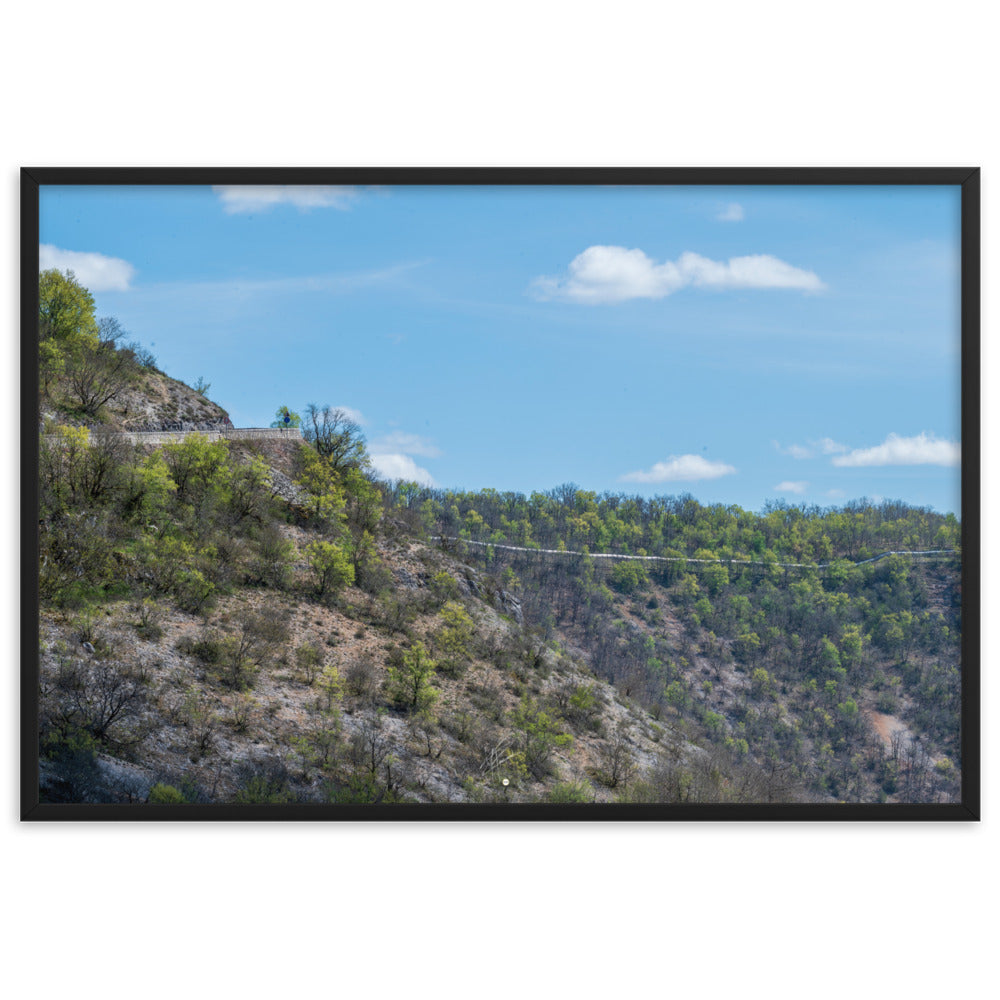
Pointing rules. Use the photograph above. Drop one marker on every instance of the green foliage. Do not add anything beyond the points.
(265, 787)
(246, 491)
(294, 420)
(147, 489)
(760, 683)
(410, 682)
(197, 467)
(454, 637)
(714, 576)
(194, 592)
(714, 722)
(271, 558)
(540, 735)
(571, 792)
(65, 310)
(309, 660)
(330, 567)
(444, 587)
(331, 684)
(326, 501)
(583, 702)
(318, 747)
(628, 577)
(162, 794)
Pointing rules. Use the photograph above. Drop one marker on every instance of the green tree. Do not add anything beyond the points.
(147, 488)
(331, 569)
(66, 321)
(197, 466)
(248, 490)
(294, 420)
(455, 635)
(539, 735)
(332, 686)
(326, 503)
(628, 576)
(410, 683)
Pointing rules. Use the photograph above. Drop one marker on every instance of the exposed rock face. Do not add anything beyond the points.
(159, 398)
(407, 579)
(512, 606)
(504, 601)
(286, 488)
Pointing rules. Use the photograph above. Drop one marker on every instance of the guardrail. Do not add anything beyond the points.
(163, 436)
(921, 553)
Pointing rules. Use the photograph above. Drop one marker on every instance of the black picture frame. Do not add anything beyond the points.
(34, 179)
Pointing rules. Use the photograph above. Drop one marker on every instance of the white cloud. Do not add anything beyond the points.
(603, 274)
(759, 270)
(825, 446)
(795, 450)
(391, 456)
(788, 486)
(733, 212)
(394, 467)
(351, 414)
(407, 444)
(239, 198)
(830, 447)
(95, 271)
(923, 449)
(835, 494)
(680, 468)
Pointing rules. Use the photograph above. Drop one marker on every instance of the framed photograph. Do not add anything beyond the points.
(514, 494)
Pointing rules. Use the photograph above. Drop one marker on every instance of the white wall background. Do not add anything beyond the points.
(486, 911)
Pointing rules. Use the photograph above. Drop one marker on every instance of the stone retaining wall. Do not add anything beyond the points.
(228, 434)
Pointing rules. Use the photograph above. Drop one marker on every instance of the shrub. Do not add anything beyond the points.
(570, 792)
(454, 637)
(271, 560)
(258, 634)
(618, 763)
(194, 593)
(627, 577)
(583, 702)
(539, 736)
(372, 574)
(332, 686)
(102, 699)
(331, 569)
(410, 682)
(162, 794)
(361, 678)
(264, 783)
(208, 648)
(309, 659)
(444, 587)
(150, 616)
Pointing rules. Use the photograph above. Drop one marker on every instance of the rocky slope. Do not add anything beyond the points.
(190, 730)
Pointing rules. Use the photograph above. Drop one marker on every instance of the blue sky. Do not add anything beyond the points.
(739, 344)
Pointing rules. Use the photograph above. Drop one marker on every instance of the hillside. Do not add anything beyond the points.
(265, 621)
(314, 717)
(790, 638)
(149, 399)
